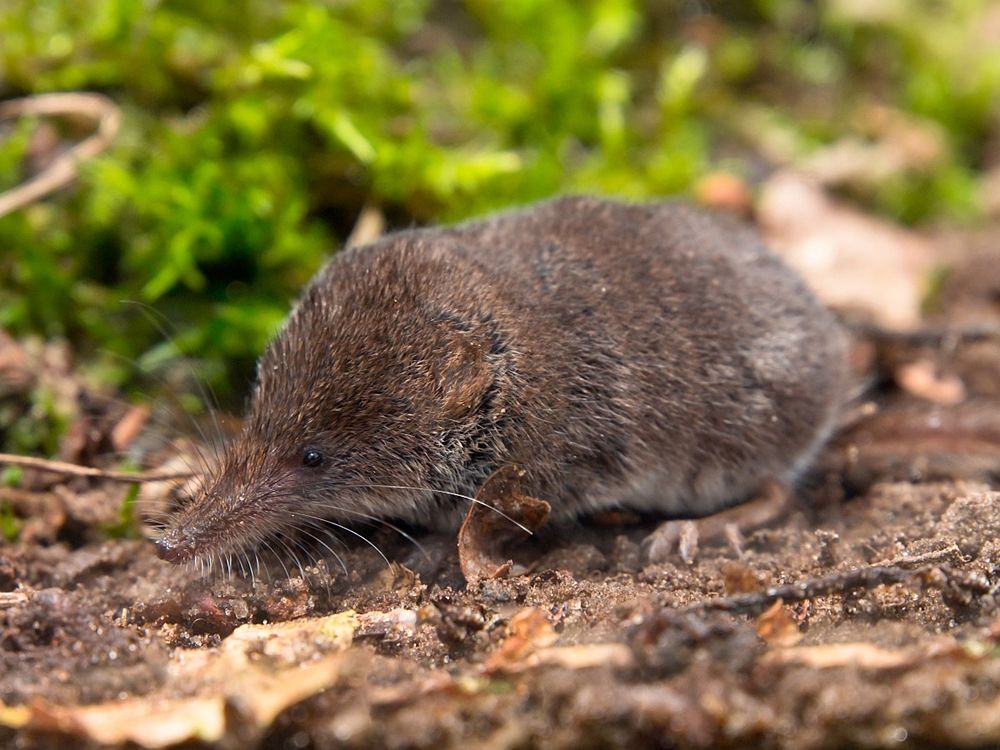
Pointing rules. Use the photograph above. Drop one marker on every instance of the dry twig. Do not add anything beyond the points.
(63, 170)
(75, 470)
(12, 599)
(955, 585)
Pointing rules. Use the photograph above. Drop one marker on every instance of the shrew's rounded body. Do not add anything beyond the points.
(651, 356)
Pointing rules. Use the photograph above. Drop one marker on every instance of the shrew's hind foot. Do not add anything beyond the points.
(683, 537)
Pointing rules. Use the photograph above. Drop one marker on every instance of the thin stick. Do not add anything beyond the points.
(951, 554)
(75, 470)
(368, 228)
(846, 582)
(836, 583)
(63, 170)
(13, 598)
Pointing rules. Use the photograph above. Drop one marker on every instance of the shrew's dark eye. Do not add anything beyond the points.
(311, 458)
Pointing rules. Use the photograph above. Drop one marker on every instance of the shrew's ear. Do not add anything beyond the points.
(463, 371)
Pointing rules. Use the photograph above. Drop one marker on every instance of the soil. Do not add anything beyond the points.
(865, 616)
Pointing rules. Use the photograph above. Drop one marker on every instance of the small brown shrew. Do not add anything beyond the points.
(647, 356)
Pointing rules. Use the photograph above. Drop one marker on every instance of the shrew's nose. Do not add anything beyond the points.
(175, 546)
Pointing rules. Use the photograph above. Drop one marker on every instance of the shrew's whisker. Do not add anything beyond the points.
(471, 499)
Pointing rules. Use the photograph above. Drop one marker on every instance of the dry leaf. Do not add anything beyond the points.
(393, 624)
(491, 524)
(261, 669)
(529, 646)
(529, 630)
(12, 599)
(724, 191)
(368, 228)
(739, 578)
(777, 627)
(922, 379)
(863, 655)
(292, 641)
(14, 717)
(149, 723)
(586, 655)
(124, 433)
(851, 260)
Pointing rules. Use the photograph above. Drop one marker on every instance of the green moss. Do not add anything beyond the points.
(126, 525)
(36, 429)
(10, 476)
(10, 525)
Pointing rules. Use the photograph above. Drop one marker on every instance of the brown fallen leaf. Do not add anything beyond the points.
(724, 191)
(529, 644)
(369, 226)
(922, 379)
(585, 656)
(851, 260)
(260, 670)
(738, 578)
(148, 723)
(124, 433)
(500, 517)
(863, 655)
(291, 642)
(529, 630)
(12, 599)
(777, 627)
(14, 717)
(393, 625)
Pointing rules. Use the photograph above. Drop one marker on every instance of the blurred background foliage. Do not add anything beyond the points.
(255, 132)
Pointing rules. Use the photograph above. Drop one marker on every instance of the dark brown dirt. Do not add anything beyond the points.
(103, 621)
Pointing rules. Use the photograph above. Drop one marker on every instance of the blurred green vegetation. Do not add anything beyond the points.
(255, 132)
(126, 525)
(10, 525)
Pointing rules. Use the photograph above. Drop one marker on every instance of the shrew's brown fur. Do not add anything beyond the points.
(651, 356)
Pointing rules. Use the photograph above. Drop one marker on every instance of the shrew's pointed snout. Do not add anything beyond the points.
(176, 546)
